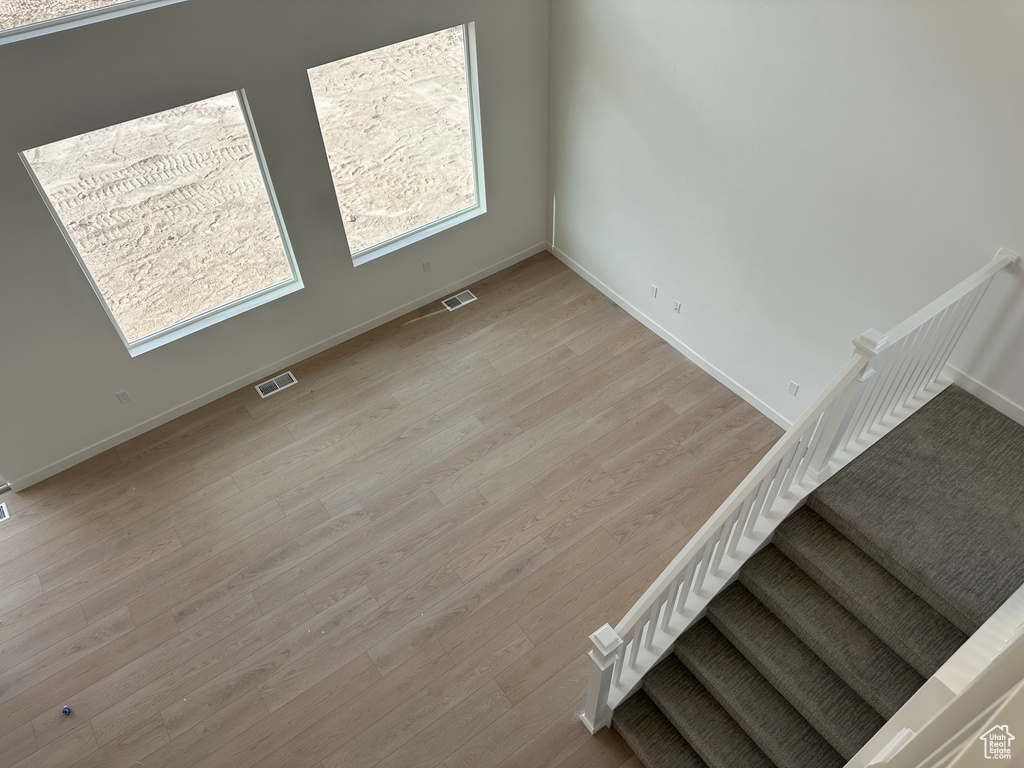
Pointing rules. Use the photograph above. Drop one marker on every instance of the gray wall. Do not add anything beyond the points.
(793, 172)
(62, 361)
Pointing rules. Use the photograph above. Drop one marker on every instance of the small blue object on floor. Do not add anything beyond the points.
(65, 710)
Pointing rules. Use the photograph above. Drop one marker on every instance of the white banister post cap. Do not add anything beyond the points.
(606, 640)
(870, 342)
(1006, 253)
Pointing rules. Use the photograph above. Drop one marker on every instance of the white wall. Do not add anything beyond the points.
(794, 172)
(61, 360)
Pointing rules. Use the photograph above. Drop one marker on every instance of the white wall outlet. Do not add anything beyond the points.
(793, 388)
(426, 266)
(123, 396)
(676, 306)
(654, 291)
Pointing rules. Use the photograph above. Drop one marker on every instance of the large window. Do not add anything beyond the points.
(401, 129)
(171, 216)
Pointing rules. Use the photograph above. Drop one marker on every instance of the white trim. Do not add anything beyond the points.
(986, 649)
(415, 235)
(80, 19)
(986, 394)
(211, 317)
(32, 478)
(476, 131)
(676, 342)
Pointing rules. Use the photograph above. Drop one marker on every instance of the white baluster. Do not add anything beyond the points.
(723, 539)
(741, 522)
(888, 369)
(670, 602)
(874, 346)
(684, 591)
(799, 459)
(778, 487)
(916, 375)
(970, 303)
(705, 561)
(652, 621)
(633, 644)
(902, 371)
(765, 497)
(756, 507)
(954, 318)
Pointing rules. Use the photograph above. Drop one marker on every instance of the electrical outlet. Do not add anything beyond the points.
(426, 266)
(654, 291)
(676, 306)
(793, 388)
(123, 396)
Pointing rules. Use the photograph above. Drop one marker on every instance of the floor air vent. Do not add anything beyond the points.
(4, 514)
(276, 384)
(458, 300)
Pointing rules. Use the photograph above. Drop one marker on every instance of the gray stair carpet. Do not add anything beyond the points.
(652, 737)
(702, 721)
(857, 655)
(808, 684)
(939, 496)
(905, 622)
(764, 714)
(859, 598)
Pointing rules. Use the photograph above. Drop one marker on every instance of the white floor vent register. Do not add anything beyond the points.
(276, 384)
(4, 514)
(458, 300)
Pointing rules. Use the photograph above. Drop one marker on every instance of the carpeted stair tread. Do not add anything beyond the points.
(834, 709)
(864, 662)
(651, 736)
(709, 729)
(916, 631)
(764, 714)
(937, 503)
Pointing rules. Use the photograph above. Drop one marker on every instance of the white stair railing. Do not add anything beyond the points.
(889, 377)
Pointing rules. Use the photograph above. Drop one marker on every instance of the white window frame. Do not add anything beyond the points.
(81, 18)
(471, 212)
(211, 316)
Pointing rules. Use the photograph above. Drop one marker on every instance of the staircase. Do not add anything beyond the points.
(861, 595)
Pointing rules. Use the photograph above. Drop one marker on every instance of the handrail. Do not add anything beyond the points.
(999, 262)
(888, 378)
(767, 464)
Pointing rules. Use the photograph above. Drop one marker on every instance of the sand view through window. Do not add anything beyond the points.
(400, 126)
(21, 13)
(171, 216)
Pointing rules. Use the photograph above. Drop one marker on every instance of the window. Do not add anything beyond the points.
(401, 129)
(172, 218)
(38, 16)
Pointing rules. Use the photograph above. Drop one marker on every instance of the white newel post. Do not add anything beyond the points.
(839, 417)
(604, 654)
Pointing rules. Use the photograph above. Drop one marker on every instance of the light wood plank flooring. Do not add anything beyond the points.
(396, 562)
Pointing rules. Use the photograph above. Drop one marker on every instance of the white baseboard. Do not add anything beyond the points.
(985, 393)
(676, 342)
(20, 483)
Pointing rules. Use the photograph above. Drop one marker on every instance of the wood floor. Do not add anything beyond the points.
(396, 562)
